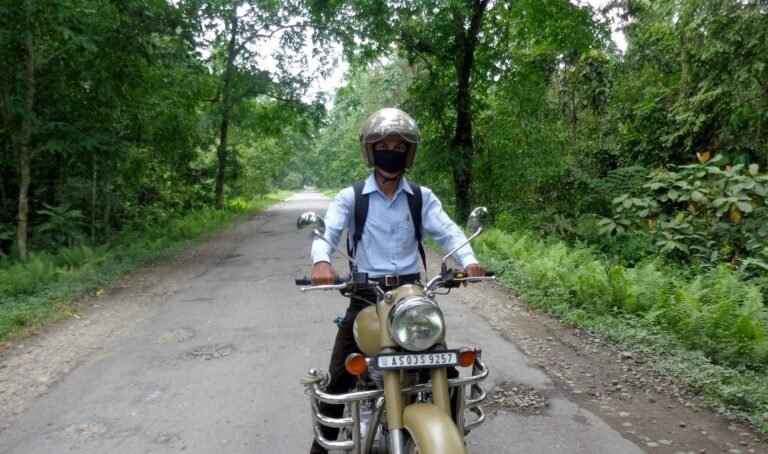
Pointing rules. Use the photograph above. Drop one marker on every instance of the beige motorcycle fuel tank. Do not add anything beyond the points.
(366, 331)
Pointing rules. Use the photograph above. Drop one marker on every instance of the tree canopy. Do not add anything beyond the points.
(117, 113)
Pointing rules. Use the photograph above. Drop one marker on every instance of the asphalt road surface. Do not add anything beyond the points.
(203, 353)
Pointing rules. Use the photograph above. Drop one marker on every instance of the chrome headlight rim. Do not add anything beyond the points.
(404, 310)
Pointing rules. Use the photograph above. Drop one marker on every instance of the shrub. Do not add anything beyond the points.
(701, 214)
(25, 278)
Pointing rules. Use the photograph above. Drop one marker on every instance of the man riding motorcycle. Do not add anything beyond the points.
(388, 244)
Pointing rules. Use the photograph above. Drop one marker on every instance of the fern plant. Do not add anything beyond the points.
(63, 226)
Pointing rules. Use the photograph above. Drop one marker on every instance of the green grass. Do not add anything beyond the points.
(710, 330)
(48, 286)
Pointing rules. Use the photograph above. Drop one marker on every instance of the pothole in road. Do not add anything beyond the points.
(207, 352)
(174, 336)
(516, 397)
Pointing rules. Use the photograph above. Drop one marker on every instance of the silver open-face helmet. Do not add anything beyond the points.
(389, 122)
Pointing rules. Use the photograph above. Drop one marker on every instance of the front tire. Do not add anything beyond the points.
(410, 446)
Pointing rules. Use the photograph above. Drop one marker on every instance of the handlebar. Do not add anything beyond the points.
(303, 280)
(450, 279)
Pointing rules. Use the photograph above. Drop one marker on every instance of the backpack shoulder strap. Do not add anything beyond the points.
(415, 203)
(360, 214)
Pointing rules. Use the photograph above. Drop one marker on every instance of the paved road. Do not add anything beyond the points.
(213, 365)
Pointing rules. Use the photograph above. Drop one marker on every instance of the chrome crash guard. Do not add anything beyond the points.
(362, 440)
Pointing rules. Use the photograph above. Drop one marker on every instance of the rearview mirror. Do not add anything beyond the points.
(478, 218)
(310, 218)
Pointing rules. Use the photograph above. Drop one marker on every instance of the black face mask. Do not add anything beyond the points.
(389, 161)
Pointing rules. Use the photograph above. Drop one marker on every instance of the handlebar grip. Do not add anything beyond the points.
(459, 274)
(306, 280)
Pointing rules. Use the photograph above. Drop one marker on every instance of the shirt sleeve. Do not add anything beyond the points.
(444, 231)
(336, 220)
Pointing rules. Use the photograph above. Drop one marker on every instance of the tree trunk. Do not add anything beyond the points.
(574, 116)
(684, 69)
(93, 198)
(107, 208)
(7, 119)
(221, 152)
(25, 135)
(462, 143)
(23, 220)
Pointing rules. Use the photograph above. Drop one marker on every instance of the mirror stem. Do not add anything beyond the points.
(320, 236)
(479, 230)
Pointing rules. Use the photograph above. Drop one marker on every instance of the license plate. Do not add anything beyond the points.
(417, 360)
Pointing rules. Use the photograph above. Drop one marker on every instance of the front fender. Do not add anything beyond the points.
(432, 430)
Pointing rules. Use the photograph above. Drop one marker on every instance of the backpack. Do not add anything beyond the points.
(361, 213)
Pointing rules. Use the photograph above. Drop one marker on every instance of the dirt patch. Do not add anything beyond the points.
(516, 397)
(208, 352)
(83, 431)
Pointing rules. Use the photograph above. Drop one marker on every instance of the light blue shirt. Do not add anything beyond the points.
(388, 245)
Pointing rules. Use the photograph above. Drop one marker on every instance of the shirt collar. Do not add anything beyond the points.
(372, 186)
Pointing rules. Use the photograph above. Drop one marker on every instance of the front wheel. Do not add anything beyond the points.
(410, 446)
(431, 431)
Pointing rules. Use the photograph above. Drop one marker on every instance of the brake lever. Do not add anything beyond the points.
(453, 279)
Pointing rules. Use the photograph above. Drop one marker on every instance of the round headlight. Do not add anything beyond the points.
(416, 323)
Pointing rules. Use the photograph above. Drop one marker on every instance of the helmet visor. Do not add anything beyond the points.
(374, 137)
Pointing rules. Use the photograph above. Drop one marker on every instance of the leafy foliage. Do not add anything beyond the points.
(702, 213)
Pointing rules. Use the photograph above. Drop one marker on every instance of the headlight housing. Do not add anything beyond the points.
(416, 323)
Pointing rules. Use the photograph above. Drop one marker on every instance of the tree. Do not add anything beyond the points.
(694, 79)
(18, 97)
(458, 50)
(242, 33)
(35, 39)
(80, 89)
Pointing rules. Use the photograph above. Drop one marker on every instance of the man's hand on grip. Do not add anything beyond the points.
(323, 274)
(474, 270)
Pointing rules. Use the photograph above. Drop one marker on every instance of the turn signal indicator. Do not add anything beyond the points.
(467, 357)
(356, 364)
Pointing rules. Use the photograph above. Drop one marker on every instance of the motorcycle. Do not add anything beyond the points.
(406, 381)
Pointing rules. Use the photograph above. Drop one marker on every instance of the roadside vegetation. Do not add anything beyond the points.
(706, 329)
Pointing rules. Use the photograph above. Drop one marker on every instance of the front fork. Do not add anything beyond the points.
(395, 403)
